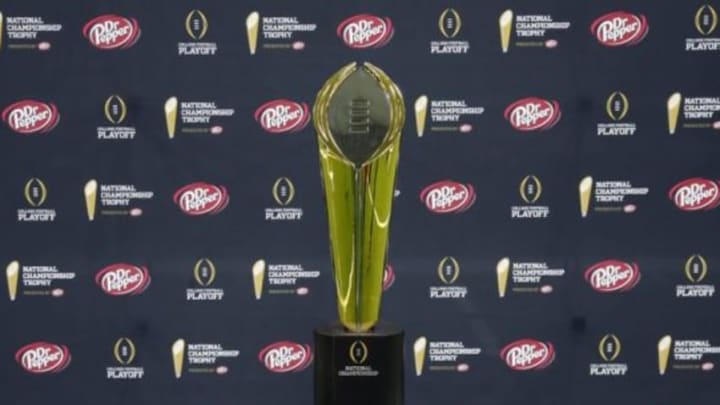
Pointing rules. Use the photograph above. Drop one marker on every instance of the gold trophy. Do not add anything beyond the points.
(258, 273)
(421, 105)
(90, 192)
(359, 115)
(505, 21)
(673, 111)
(252, 24)
(12, 272)
(503, 271)
(419, 349)
(178, 356)
(171, 107)
(664, 346)
(585, 190)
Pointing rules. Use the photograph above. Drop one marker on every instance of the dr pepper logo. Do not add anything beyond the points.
(123, 279)
(447, 196)
(528, 354)
(31, 117)
(111, 31)
(610, 276)
(620, 28)
(364, 31)
(281, 116)
(533, 114)
(43, 357)
(201, 198)
(285, 357)
(696, 194)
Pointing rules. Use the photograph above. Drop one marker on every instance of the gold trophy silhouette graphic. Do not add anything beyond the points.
(359, 115)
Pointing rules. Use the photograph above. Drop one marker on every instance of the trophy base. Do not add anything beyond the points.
(359, 368)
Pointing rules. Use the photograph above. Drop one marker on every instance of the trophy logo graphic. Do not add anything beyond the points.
(115, 109)
(617, 105)
(252, 25)
(585, 189)
(258, 273)
(90, 192)
(204, 272)
(609, 347)
(283, 191)
(12, 273)
(450, 23)
(419, 349)
(673, 111)
(358, 352)
(2, 28)
(196, 24)
(503, 271)
(35, 192)
(530, 189)
(421, 105)
(448, 270)
(664, 346)
(696, 268)
(171, 112)
(178, 356)
(505, 21)
(124, 351)
(706, 20)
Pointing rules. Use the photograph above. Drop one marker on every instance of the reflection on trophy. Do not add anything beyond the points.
(585, 189)
(503, 271)
(178, 355)
(420, 114)
(664, 346)
(673, 111)
(171, 106)
(506, 20)
(419, 348)
(12, 272)
(359, 114)
(258, 273)
(90, 192)
(252, 23)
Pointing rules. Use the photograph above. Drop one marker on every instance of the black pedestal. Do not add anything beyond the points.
(359, 368)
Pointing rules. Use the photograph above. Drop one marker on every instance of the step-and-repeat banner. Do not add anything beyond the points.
(555, 225)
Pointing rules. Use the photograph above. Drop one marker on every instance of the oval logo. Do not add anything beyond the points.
(358, 352)
(111, 31)
(609, 276)
(115, 109)
(202, 198)
(388, 277)
(706, 20)
(530, 189)
(448, 196)
(450, 23)
(283, 191)
(196, 24)
(617, 106)
(286, 356)
(448, 270)
(364, 31)
(609, 347)
(124, 351)
(696, 194)
(43, 357)
(35, 192)
(282, 116)
(204, 272)
(620, 28)
(528, 354)
(696, 268)
(123, 279)
(533, 114)
(31, 117)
